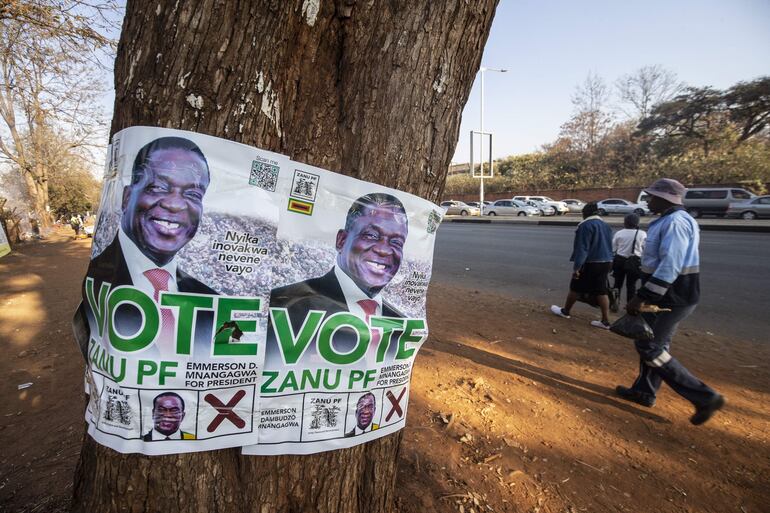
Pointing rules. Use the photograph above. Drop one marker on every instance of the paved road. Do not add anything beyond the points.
(532, 262)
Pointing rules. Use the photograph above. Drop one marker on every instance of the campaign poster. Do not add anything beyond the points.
(5, 246)
(175, 300)
(347, 312)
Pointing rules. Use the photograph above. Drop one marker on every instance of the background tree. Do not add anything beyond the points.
(371, 89)
(590, 119)
(748, 104)
(700, 136)
(72, 188)
(11, 221)
(49, 56)
(695, 116)
(640, 91)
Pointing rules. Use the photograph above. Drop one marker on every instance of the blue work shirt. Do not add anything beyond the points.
(670, 262)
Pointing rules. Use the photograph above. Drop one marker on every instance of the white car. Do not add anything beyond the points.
(621, 206)
(559, 206)
(511, 208)
(458, 207)
(574, 205)
(476, 205)
(544, 208)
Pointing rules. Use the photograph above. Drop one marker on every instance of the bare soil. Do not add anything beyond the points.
(511, 409)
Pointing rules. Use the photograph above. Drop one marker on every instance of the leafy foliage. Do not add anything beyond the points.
(701, 135)
(51, 54)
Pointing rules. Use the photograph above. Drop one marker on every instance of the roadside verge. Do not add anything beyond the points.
(728, 225)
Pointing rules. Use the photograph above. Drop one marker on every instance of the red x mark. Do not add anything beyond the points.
(225, 411)
(395, 403)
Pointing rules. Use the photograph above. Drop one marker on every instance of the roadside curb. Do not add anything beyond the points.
(756, 228)
(734, 228)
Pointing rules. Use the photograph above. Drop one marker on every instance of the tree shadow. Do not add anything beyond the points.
(41, 289)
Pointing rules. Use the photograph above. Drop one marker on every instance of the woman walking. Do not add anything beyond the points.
(627, 246)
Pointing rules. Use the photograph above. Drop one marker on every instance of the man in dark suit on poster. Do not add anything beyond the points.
(365, 410)
(162, 208)
(168, 411)
(369, 252)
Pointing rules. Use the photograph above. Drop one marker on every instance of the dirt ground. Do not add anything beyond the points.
(511, 409)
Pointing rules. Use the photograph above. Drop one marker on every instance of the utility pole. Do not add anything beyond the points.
(481, 146)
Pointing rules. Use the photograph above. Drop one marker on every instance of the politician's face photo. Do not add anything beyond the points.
(162, 208)
(167, 414)
(370, 249)
(365, 410)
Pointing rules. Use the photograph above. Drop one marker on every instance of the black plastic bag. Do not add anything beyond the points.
(589, 299)
(632, 326)
(633, 265)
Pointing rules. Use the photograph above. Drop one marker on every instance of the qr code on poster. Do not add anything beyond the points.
(264, 175)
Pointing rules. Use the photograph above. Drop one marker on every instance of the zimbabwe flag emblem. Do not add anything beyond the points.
(300, 207)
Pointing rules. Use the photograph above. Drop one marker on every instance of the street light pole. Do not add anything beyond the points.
(481, 146)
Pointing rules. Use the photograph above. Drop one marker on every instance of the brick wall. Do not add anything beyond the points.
(629, 193)
(597, 194)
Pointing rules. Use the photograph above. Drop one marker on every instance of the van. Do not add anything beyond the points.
(713, 201)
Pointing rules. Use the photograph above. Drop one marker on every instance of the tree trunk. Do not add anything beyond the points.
(38, 195)
(372, 89)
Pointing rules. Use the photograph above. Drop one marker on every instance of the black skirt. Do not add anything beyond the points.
(593, 279)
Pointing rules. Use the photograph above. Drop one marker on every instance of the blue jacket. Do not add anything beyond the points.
(593, 242)
(670, 262)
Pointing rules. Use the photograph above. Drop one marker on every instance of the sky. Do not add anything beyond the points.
(550, 46)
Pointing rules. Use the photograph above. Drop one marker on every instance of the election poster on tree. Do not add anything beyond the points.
(5, 246)
(347, 312)
(236, 298)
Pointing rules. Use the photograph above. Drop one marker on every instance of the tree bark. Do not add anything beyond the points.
(372, 89)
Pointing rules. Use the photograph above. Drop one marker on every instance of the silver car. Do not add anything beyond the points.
(510, 208)
(574, 205)
(475, 204)
(544, 208)
(558, 206)
(750, 209)
(454, 208)
(621, 206)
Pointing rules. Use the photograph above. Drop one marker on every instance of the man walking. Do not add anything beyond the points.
(671, 280)
(592, 258)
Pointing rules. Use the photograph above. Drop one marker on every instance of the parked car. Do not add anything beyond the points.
(713, 201)
(574, 205)
(621, 206)
(476, 204)
(559, 206)
(750, 209)
(543, 208)
(454, 208)
(510, 208)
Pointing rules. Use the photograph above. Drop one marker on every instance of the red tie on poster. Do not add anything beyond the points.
(369, 306)
(159, 279)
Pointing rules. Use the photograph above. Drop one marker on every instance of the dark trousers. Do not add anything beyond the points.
(619, 275)
(657, 365)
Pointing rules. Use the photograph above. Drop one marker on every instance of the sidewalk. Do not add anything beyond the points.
(715, 224)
